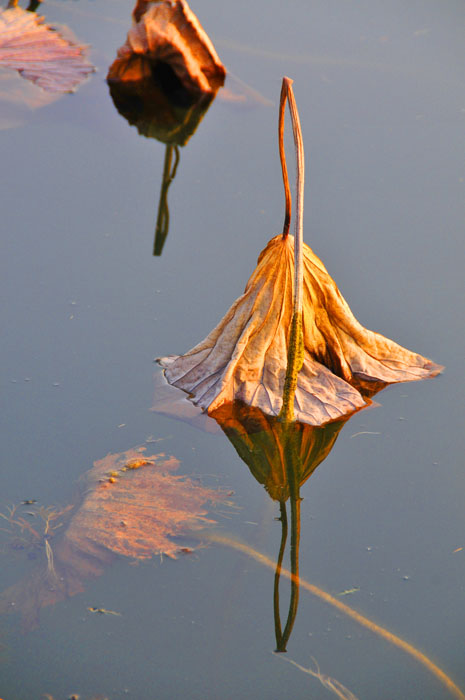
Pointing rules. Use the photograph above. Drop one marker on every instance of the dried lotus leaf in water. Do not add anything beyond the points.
(136, 505)
(133, 505)
(40, 53)
(179, 55)
(245, 357)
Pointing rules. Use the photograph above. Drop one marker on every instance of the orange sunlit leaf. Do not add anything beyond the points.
(245, 356)
(167, 73)
(169, 34)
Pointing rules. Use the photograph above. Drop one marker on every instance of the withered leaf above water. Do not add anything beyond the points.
(245, 356)
(40, 53)
(290, 344)
(180, 52)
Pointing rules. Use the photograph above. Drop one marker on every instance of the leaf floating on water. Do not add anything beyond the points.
(40, 53)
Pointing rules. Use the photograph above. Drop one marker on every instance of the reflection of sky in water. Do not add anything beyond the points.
(88, 307)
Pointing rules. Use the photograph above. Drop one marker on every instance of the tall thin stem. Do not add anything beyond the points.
(300, 180)
(295, 353)
(282, 157)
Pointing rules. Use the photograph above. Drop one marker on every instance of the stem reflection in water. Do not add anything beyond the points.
(281, 456)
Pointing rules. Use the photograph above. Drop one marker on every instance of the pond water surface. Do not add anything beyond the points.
(86, 308)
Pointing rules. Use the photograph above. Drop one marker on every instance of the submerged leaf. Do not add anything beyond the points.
(245, 357)
(40, 53)
(133, 505)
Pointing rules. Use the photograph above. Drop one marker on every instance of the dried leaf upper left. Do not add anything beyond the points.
(40, 53)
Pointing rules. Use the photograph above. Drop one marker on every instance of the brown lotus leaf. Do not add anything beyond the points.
(169, 34)
(245, 357)
(40, 53)
(167, 73)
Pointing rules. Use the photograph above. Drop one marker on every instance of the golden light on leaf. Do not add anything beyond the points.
(245, 357)
(290, 344)
(167, 72)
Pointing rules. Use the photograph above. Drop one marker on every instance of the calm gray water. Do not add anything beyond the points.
(85, 309)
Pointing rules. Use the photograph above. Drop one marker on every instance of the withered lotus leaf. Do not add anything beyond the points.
(245, 357)
(40, 53)
(290, 344)
(169, 34)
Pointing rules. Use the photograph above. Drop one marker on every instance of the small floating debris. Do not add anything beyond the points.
(349, 591)
(103, 611)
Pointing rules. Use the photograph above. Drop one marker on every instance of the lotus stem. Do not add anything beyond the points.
(282, 157)
(295, 356)
(163, 216)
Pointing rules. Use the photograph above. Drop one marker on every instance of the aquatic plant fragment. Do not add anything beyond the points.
(291, 338)
(131, 505)
(136, 505)
(40, 53)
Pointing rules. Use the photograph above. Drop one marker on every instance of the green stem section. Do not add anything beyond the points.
(295, 360)
(295, 352)
(277, 575)
(163, 216)
(293, 467)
